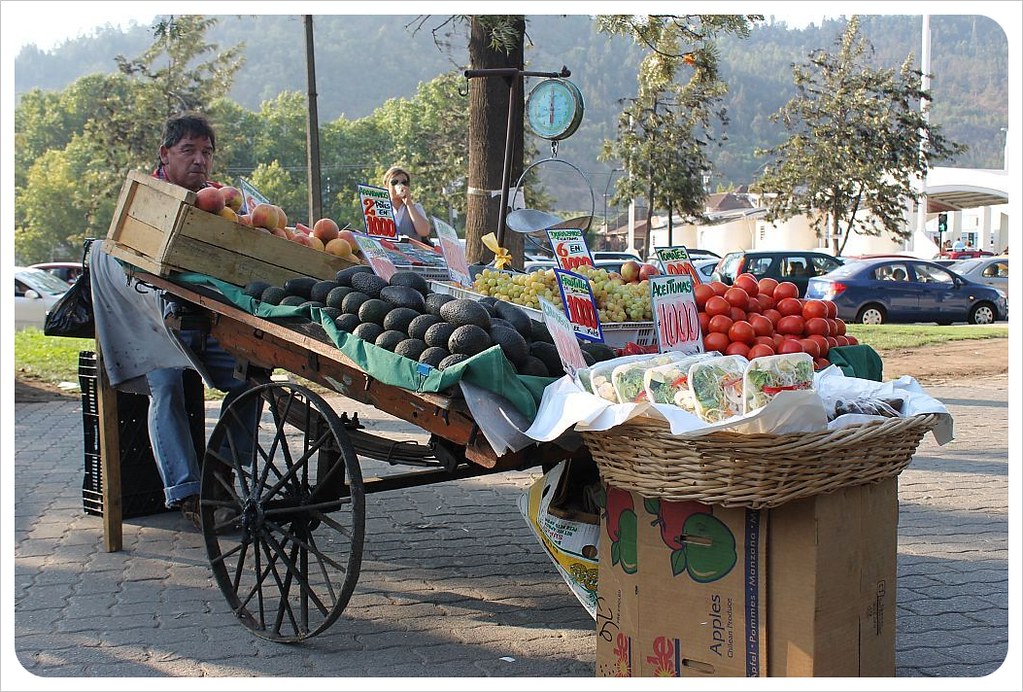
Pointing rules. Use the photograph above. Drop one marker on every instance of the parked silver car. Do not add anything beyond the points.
(993, 271)
(35, 292)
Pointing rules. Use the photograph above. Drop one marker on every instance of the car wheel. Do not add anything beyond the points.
(871, 314)
(982, 313)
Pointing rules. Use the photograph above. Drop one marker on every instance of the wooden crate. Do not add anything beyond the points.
(157, 228)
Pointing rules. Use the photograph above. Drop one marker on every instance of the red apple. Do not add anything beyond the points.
(232, 197)
(630, 271)
(265, 216)
(325, 229)
(209, 199)
(647, 270)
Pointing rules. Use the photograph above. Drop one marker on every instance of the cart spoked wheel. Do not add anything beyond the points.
(283, 511)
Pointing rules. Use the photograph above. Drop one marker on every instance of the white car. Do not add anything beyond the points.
(35, 292)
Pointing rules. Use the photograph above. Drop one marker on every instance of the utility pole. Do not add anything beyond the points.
(312, 129)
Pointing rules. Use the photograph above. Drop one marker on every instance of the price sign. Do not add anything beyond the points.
(564, 337)
(376, 254)
(570, 248)
(454, 255)
(377, 211)
(675, 261)
(579, 305)
(676, 318)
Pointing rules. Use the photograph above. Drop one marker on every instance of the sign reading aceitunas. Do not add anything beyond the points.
(676, 317)
(377, 211)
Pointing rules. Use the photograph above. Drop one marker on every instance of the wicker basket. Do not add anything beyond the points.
(752, 470)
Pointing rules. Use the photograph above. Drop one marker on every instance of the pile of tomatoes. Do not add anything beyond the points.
(755, 318)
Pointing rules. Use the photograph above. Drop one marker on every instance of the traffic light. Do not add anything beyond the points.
(942, 222)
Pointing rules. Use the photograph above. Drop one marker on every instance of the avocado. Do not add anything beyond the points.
(311, 304)
(435, 300)
(438, 334)
(255, 288)
(300, 286)
(368, 331)
(464, 311)
(273, 295)
(517, 316)
(533, 366)
(353, 301)
(337, 295)
(374, 310)
(410, 279)
(451, 360)
(389, 338)
(410, 348)
(292, 301)
(418, 326)
(400, 319)
(538, 332)
(347, 322)
(599, 351)
(494, 321)
(403, 297)
(344, 276)
(548, 354)
(332, 313)
(511, 342)
(368, 283)
(321, 289)
(433, 355)
(469, 339)
(588, 357)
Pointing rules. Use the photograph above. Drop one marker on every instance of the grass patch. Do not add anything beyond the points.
(888, 337)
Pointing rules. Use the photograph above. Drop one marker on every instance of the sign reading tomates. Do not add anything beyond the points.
(377, 211)
(579, 305)
(676, 318)
(675, 261)
(564, 337)
(570, 248)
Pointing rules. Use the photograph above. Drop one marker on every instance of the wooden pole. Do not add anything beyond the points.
(312, 128)
(109, 456)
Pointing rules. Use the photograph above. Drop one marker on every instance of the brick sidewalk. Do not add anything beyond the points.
(453, 582)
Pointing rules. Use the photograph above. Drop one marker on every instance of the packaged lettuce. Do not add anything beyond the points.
(669, 384)
(627, 379)
(596, 379)
(716, 387)
(766, 376)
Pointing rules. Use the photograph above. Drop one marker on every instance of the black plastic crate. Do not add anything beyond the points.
(141, 485)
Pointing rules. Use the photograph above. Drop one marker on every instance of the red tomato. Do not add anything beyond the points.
(814, 308)
(767, 286)
(766, 302)
(748, 283)
(737, 314)
(840, 340)
(716, 341)
(716, 305)
(822, 342)
(760, 350)
(779, 339)
(853, 341)
(762, 325)
(773, 315)
(786, 289)
(790, 346)
(704, 322)
(741, 331)
(832, 308)
(790, 324)
(812, 347)
(832, 341)
(765, 340)
(718, 287)
(720, 324)
(737, 297)
(818, 325)
(753, 306)
(841, 326)
(737, 348)
(702, 292)
(790, 306)
(820, 363)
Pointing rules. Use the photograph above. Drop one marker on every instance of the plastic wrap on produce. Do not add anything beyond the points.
(565, 405)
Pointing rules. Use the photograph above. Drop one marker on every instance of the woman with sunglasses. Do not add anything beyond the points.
(409, 215)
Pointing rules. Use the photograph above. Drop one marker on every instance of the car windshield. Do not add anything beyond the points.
(42, 281)
(847, 269)
(963, 266)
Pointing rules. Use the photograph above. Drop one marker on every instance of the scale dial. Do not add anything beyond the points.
(554, 109)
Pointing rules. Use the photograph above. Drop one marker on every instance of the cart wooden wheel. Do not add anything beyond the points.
(283, 511)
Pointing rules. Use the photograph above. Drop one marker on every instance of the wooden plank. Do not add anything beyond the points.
(141, 237)
(132, 257)
(110, 456)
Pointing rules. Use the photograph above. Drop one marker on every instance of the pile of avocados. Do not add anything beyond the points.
(403, 316)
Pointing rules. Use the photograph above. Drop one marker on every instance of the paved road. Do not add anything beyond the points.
(453, 582)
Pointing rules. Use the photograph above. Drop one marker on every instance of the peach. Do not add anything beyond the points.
(232, 197)
(209, 199)
(339, 247)
(325, 229)
(265, 216)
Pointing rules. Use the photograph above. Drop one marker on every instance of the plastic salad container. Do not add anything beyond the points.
(716, 386)
(669, 384)
(627, 379)
(767, 376)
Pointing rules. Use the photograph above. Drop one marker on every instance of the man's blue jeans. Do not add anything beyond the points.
(169, 430)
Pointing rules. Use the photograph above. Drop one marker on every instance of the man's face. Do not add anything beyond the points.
(188, 162)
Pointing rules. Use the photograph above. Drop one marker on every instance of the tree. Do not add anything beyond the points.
(859, 145)
(663, 133)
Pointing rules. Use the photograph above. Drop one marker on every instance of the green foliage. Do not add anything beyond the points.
(857, 146)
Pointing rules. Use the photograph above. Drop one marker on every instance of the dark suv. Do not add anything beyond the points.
(786, 265)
